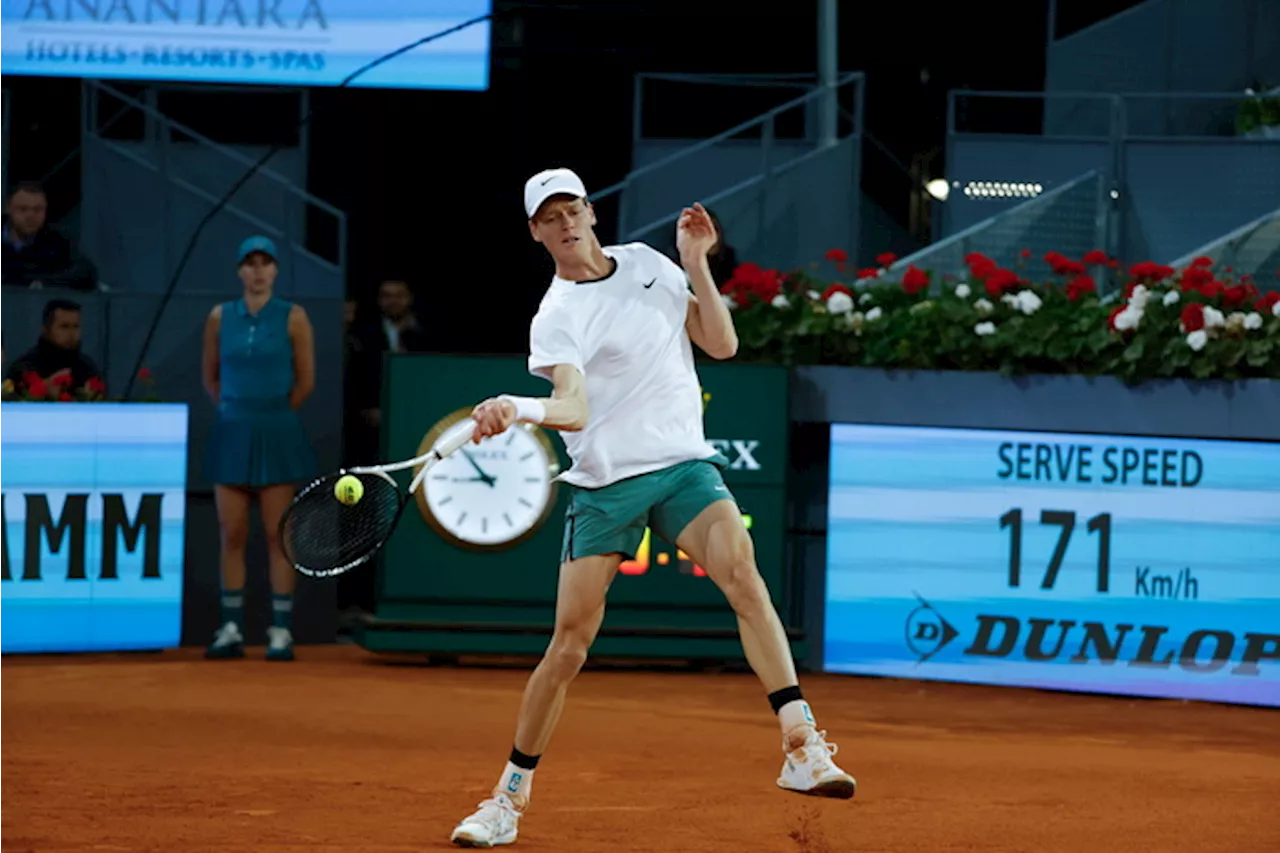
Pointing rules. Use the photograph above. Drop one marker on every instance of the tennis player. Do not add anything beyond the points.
(613, 334)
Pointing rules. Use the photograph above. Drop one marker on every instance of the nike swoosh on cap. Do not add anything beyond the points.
(650, 284)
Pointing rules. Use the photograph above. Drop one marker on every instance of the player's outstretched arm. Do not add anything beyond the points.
(565, 410)
(708, 323)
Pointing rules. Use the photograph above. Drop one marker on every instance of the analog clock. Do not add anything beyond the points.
(494, 494)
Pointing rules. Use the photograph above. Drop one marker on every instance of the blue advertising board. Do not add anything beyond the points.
(271, 42)
(1100, 563)
(94, 502)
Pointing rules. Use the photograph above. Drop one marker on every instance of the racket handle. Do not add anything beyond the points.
(455, 437)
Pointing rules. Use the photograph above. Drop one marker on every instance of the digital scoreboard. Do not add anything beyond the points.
(1102, 563)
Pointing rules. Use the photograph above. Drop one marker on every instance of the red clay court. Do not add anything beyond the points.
(346, 751)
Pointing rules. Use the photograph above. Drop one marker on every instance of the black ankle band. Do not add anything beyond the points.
(778, 698)
(524, 762)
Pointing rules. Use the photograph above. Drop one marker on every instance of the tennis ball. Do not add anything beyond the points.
(348, 489)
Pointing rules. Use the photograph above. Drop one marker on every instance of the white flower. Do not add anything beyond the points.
(1197, 339)
(855, 322)
(865, 298)
(1275, 310)
(728, 301)
(987, 328)
(814, 295)
(839, 302)
(1235, 321)
(1140, 296)
(1010, 300)
(1213, 318)
(1253, 320)
(1171, 298)
(874, 314)
(983, 307)
(1027, 302)
(963, 291)
(780, 301)
(1128, 319)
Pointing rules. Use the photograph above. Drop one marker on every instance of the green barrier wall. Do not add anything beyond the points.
(435, 596)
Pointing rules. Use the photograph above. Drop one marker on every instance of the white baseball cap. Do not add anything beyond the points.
(549, 182)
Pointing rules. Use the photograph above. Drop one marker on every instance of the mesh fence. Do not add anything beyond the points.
(1068, 219)
(1252, 250)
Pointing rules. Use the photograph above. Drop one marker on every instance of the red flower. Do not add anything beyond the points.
(1236, 294)
(1149, 272)
(61, 379)
(1095, 256)
(144, 373)
(35, 384)
(914, 280)
(834, 289)
(1193, 317)
(1211, 289)
(1194, 277)
(837, 256)
(1025, 253)
(980, 266)
(1267, 302)
(1062, 265)
(1081, 285)
(1001, 280)
(64, 397)
(868, 272)
(886, 259)
(94, 385)
(1202, 261)
(1111, 319)
(749, 281)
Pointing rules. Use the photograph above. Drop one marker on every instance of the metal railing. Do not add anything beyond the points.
(1070, 219)
(1107, 115)
(766, 124)
(1253, 248)
(165, 127)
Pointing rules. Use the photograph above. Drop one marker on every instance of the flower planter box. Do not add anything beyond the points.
(1196, 323)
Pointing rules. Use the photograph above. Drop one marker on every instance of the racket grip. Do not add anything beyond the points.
(455, 437)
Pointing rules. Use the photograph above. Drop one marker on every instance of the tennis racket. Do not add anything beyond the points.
(322, 536)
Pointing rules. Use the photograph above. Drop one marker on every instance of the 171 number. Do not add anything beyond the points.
(1100, 524)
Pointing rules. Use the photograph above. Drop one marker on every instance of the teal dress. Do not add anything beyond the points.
(257, 438)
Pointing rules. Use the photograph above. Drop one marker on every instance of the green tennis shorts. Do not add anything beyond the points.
(612, 519)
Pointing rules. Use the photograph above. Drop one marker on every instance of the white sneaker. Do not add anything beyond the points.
(808, 769)
(493, 823)
(228, 642)
(279, 644)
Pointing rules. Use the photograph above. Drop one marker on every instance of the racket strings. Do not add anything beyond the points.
(323, 536)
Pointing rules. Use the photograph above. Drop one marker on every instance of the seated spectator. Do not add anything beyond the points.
(38, 253)
(57, 352)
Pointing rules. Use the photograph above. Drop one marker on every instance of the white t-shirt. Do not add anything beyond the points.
(626, 334)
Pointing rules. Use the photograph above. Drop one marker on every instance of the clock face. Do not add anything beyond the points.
(493, 493)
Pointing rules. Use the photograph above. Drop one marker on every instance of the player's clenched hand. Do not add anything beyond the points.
(492, 417)
(695, 233)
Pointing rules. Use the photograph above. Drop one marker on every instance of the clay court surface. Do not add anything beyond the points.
(344, 751)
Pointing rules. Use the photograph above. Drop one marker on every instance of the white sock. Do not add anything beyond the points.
(795, 714)
(516, 783)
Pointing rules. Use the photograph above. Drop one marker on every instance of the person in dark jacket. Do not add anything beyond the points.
(38, 253)
(58, 349)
